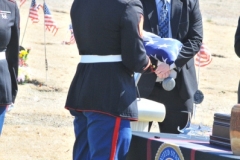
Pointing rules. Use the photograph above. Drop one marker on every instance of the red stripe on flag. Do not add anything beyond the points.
(48, 20)
(203, 57)
(22, 2)
(33, 12)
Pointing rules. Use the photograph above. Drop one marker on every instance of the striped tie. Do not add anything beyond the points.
(163, 19)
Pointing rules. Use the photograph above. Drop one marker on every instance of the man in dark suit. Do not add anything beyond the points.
(237, 50)
(185, 24)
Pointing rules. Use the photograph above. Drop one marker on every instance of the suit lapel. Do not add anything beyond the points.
(151, 13)
(176, 12)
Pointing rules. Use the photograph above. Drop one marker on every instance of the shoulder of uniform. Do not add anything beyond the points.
(14, 1)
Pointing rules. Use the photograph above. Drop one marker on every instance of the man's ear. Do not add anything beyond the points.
(140, 26)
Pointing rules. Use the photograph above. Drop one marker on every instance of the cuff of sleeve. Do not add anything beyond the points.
(148, 65)
(172, 66)
(150, 69)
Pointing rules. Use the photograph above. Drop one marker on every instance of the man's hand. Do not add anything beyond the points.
(163, 70)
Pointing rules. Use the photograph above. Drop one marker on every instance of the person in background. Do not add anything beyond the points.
(9, 50)
(237, 50)
(102, 95)
(181, 20)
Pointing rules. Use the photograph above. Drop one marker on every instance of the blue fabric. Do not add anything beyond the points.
(94, 132)
(163, 49)
(163, 19)
(2, 117)
(164, 28)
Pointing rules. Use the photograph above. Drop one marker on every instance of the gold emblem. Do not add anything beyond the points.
(169, 152)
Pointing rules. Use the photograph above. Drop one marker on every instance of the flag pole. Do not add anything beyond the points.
(25, 27)
(45, 50)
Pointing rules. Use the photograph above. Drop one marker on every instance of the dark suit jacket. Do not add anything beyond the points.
(107, 27)
(237, 39)
(186, 25)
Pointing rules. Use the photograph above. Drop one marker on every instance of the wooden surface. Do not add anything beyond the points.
(235, 129)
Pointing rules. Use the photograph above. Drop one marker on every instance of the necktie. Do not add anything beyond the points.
(163, 19)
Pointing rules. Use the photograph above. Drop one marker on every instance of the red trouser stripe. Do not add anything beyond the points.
(115, 138)
(193, 154)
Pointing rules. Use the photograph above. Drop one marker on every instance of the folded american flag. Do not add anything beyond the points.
(163, 49)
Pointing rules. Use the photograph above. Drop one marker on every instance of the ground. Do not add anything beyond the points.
(39, 128)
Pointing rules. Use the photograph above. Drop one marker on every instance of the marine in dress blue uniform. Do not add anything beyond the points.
(102, 95)
(9, 50)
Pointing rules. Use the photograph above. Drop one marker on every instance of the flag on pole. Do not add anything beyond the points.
(72, 38)
(33, 12)
(203, 57)
(22, 2)
(48, 20)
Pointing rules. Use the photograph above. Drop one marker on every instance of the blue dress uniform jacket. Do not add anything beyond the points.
(186, 26)
(107, 27)
(9, 43)
(237, 39)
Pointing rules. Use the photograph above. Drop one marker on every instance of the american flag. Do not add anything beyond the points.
(163, 49)
(72, 38)
(33, 13)
(48, 20)
(22, 2)
(203, 57)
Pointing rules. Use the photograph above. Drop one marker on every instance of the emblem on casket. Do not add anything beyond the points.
(169, 152)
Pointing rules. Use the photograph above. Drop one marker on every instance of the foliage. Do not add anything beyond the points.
(23, 69)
